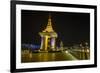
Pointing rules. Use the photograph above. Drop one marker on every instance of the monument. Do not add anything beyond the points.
(48, 37)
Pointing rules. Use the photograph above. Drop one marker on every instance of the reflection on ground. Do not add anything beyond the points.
(54, 56)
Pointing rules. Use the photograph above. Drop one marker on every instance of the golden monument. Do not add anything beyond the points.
(48, 37)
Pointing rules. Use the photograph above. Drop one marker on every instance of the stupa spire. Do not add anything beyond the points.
(49, 25)
(49, 20)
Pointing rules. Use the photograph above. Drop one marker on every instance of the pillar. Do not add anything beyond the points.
(46, 43)
(53, 43)
(42, 44)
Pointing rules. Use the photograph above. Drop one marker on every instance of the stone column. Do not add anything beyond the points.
(42, 44)
(46, 43)
(53, 43)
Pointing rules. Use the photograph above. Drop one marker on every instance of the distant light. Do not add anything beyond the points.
(30, 46)
(66, 51)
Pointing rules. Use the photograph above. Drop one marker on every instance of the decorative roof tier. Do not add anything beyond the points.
(49, 26)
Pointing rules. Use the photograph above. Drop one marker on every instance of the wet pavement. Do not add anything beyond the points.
(48, 56)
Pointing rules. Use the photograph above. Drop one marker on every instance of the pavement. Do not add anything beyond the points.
(48, 56)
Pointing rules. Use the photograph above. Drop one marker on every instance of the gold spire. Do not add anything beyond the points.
(49, 25)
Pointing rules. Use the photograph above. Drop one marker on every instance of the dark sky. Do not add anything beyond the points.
(71, 27)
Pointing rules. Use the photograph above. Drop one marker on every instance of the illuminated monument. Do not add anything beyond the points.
(48, 37)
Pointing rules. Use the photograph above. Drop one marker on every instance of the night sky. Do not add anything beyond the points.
(72, 28)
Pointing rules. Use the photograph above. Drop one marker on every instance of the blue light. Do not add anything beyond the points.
(31, 46)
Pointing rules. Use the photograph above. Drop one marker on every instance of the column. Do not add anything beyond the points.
(46, 43)
(53, 43)
(42, 39)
